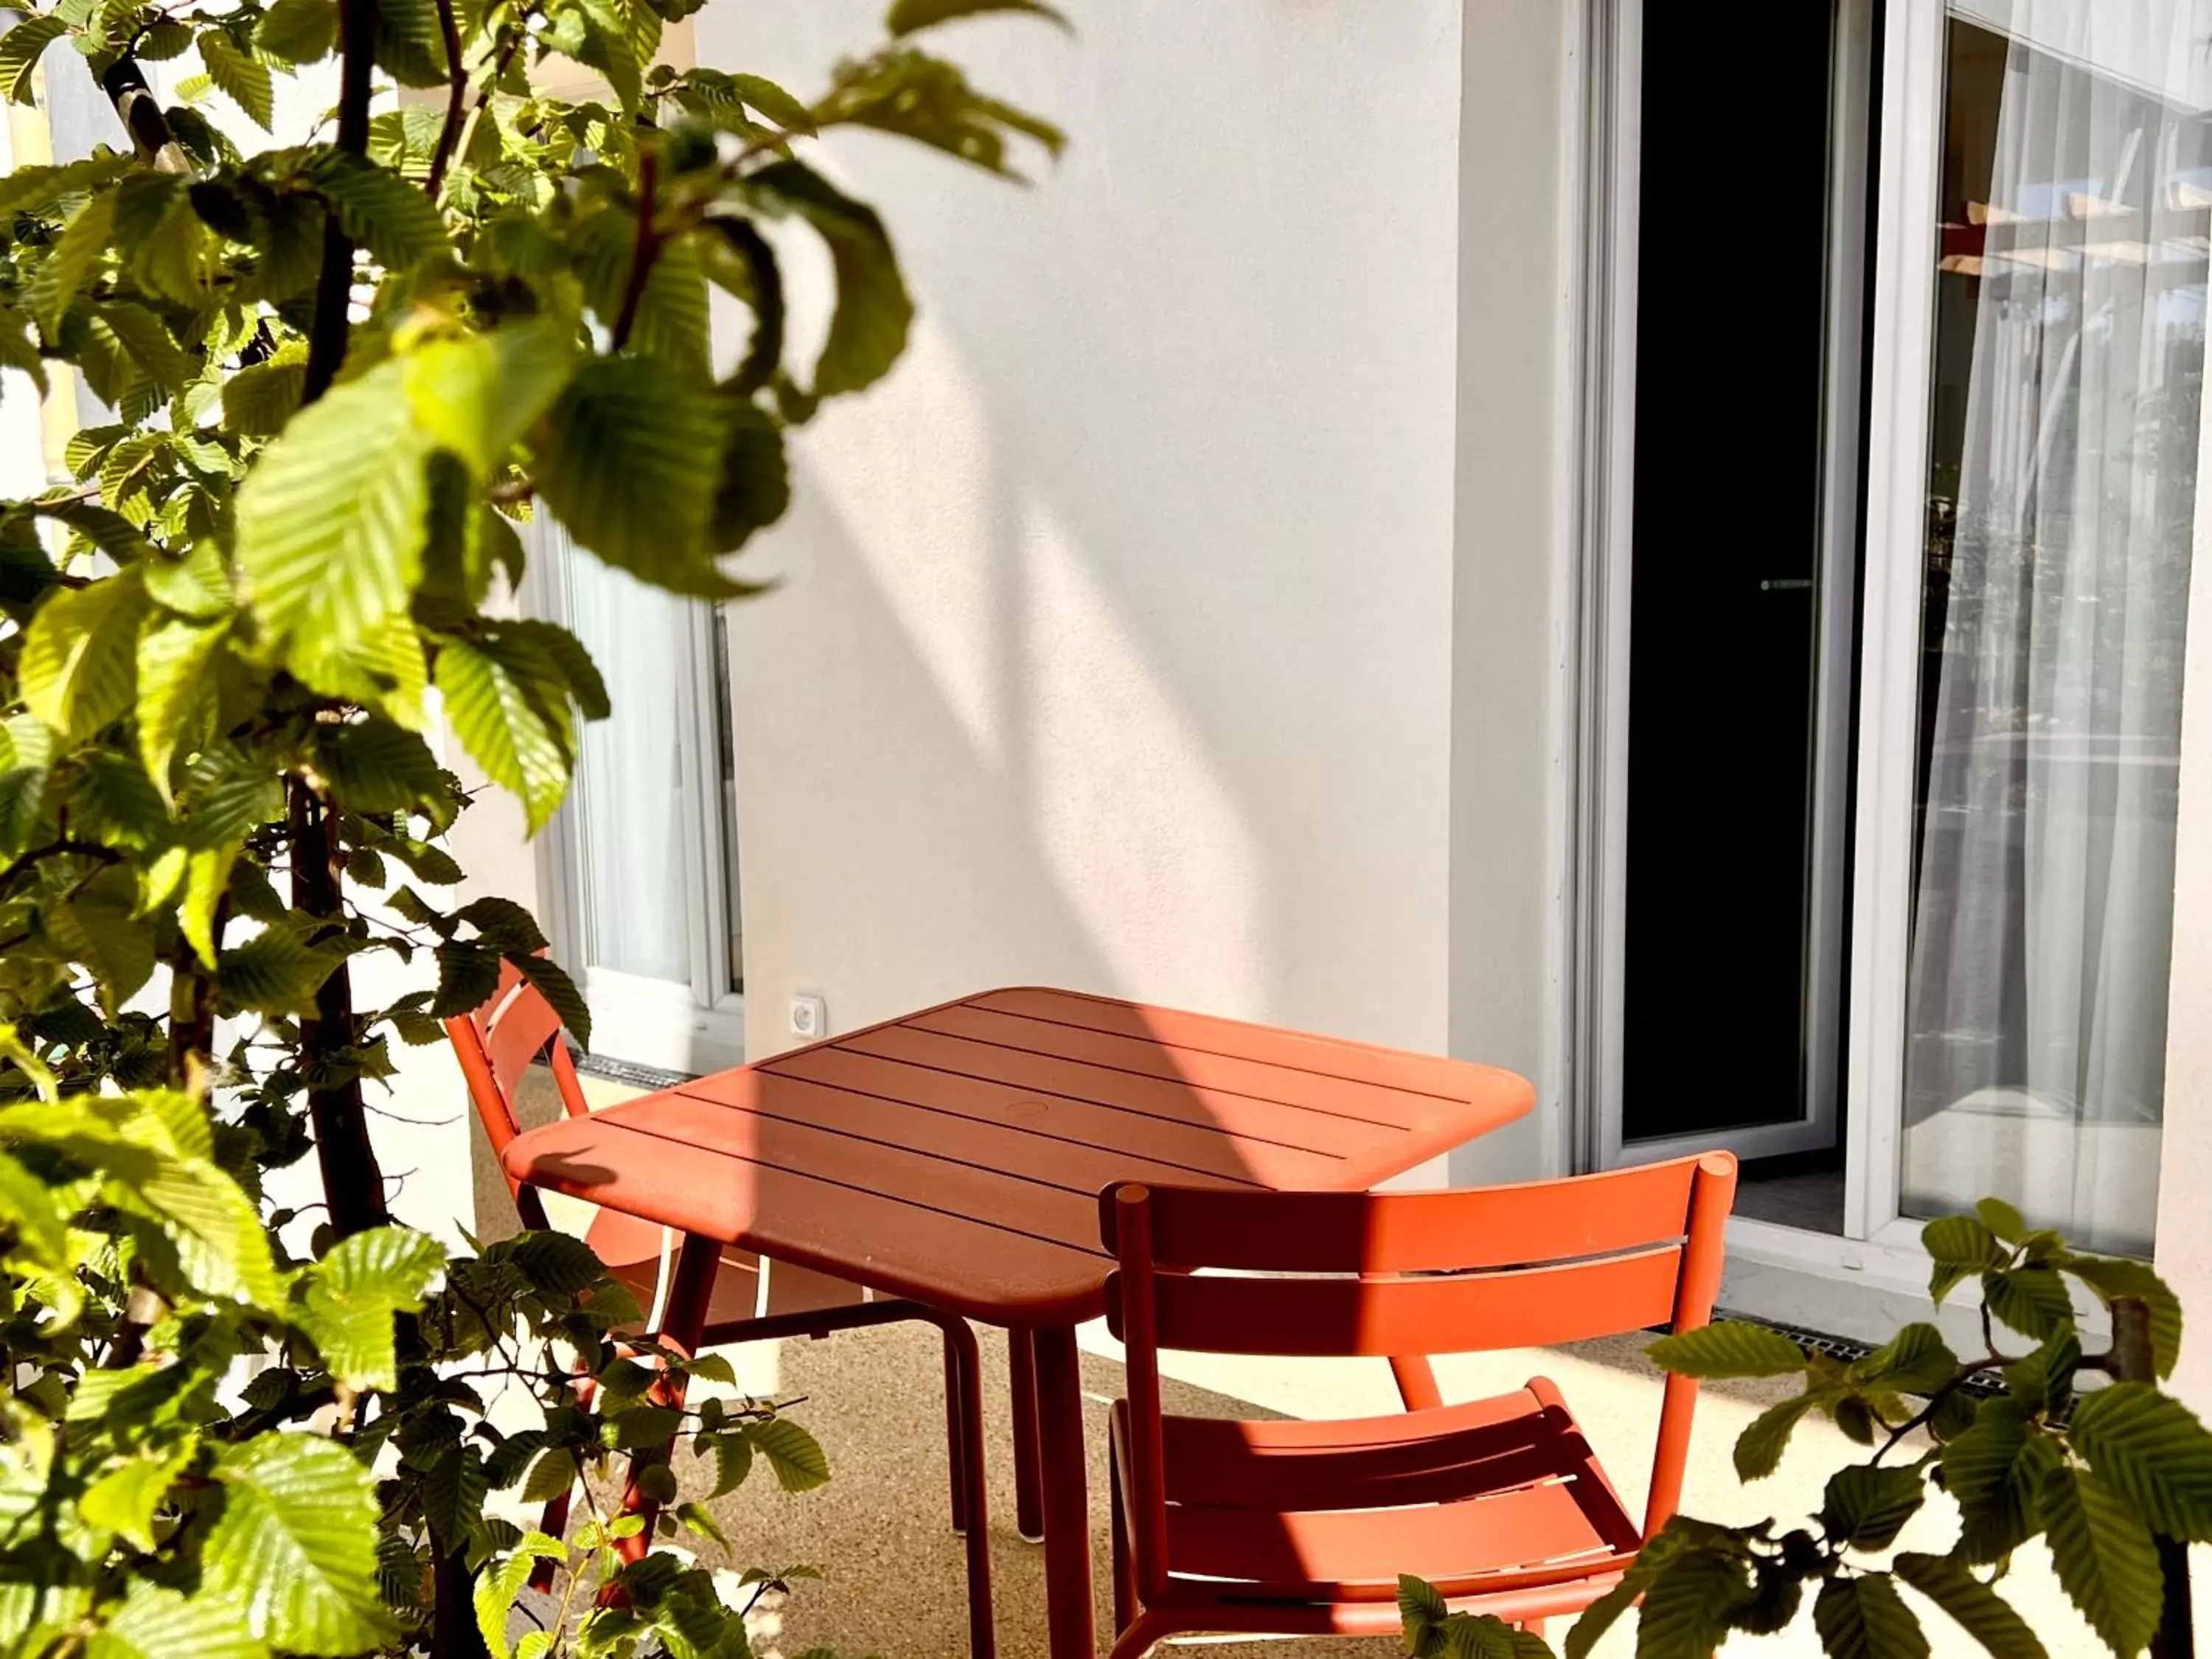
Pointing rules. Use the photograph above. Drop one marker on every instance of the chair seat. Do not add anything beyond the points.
(1334, 1511)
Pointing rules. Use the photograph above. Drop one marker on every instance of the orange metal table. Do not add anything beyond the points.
(955, 1156)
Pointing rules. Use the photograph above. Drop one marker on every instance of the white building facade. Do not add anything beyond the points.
(1646, 548)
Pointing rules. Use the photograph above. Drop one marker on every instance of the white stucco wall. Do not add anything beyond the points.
(1115, 647)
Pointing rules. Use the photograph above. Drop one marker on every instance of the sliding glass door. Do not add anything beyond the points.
(2043, 336)
(1897, 382)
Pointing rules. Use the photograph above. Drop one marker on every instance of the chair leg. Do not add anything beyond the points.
(1029, 1485)
(1139, 1639)
(955, 1428)
(682, 1322)
(1125, 1567)
(1417, 1382)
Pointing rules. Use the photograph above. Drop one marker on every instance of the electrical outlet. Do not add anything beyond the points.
(809, 1018)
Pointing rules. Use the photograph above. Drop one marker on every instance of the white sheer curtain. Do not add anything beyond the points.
(630, 800)
(2042, 904)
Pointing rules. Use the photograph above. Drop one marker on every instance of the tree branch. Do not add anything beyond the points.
(140, 112)
(643, 252)
(326, 336)
(456, 98)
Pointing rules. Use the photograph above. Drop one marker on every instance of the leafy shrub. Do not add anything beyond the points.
(2115, 1479)
(339, 372)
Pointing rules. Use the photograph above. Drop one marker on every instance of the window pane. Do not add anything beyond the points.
(2068, 360)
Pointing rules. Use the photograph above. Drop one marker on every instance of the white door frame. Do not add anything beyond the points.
(691, 1029)
(1889, 665)
(1606, 591)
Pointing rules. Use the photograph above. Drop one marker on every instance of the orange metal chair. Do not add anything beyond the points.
(748, 1300)
(1294, 1528)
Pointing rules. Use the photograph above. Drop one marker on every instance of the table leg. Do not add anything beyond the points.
(1063, 1463)
(1021, 1361)
(682, 1318)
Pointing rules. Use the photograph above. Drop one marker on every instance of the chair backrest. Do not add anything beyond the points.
(495, 1044)
(1423, 1273)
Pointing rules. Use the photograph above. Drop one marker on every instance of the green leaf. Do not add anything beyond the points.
(868, 325)
(497, 1588)
(2150, 1449)
(261, 398)
(755, 487)
(1422, 1611)
(298, 31)
(1994, 1469)
(64, 270)
(80, 655)
(1727, 1347)
(293, 1549)
(124, 1499)
(143, 339)
(1960, 1247)
(27, 1203)
(1917, 1360)
(2043, 1381)
(207, 880)
(386, 214)
(28, 189)
(246, 82)
(107, 530)
(159, 1623)
(1867, 1505)
(1865, 1618)
(773, 101)
(275, 972)
(2002, 1219)
(477, 394)
(733, 1462)
(639, 1426)
(2112, 1276)
(2106, 1558)
(331, 523)
(906, 16)
(21, 48)
(561, 991)
(2034, 1301)
(349, 1297)
(629, 467)
(1759, 1448)
(1690, 1603)
(196, 585)
(550, 1476)
(567, 653)
(175, 686)
(797, 1457)
(98, 925)
(1978, 1610)
(498, 709)
(375, 767)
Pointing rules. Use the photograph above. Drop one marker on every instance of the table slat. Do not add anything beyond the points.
(1201, 1149)
(1008, 1151)
(1158, 1098)
(962, 1264)
(1325, 1056)
(1350, 1098)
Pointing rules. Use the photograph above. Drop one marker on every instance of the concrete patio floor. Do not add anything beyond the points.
(893, 1580)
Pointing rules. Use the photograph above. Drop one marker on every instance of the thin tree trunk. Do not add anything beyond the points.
(353, 1185)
